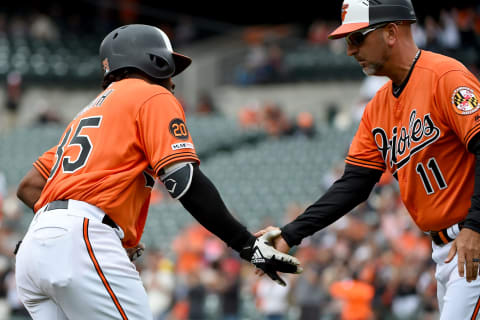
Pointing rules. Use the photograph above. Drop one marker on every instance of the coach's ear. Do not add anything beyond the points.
(390, 33)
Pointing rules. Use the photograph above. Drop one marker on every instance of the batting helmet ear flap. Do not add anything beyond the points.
(160, 62)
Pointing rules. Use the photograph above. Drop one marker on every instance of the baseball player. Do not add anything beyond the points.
(423, 126)
(91, 192)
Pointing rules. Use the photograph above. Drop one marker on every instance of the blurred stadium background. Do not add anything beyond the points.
(272, 106)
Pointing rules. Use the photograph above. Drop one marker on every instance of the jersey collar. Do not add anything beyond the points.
(397, 90)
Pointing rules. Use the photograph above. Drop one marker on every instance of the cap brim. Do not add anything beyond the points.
(347, 28)
(181, 62)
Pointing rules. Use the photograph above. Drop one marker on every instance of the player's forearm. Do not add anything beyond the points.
(30, 188)
(345, 194)
(204, 203)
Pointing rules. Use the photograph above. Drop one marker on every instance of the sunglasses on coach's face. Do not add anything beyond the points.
(356, 38)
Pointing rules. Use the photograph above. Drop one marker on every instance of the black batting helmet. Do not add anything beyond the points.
(359, 14)
(142, 47)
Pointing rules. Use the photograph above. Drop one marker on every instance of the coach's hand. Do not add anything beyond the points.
(261, 254)
(278, 242)
(467, 247)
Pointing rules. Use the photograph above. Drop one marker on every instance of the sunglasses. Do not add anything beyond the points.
(356, 38)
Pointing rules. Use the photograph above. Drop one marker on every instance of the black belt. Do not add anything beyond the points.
(63, 204)
(441, 237)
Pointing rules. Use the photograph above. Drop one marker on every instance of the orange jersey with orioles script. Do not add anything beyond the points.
(421, 136)
(111, 153)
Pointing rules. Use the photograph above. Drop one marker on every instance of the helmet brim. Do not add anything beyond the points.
(181, 62)
(346, 29)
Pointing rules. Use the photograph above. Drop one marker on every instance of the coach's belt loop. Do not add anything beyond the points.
(446, 235)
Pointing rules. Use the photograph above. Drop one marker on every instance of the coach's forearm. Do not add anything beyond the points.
(345, 194)
(30, 188)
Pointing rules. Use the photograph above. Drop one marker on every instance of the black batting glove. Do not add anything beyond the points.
(261, 253)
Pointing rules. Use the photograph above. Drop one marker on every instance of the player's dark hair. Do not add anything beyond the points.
(125, 73)
(116, 76)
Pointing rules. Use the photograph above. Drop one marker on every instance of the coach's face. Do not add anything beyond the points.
(372, 53)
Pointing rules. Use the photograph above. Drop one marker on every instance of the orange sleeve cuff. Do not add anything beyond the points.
(365, 163)
(470, 134)
(181, 156)
(42, 169)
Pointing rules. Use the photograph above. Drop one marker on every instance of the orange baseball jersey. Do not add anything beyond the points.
(111, 153)
(421, 136)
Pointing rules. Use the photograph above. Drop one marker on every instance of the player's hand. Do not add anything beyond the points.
(135, 252)
(467, 248)
(268, 259)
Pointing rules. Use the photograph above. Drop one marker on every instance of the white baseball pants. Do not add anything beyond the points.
(70, 265)
(457, 298)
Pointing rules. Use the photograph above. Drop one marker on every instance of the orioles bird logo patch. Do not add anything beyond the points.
(465, 101)
(344, 11)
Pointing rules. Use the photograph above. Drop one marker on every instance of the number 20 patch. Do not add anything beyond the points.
(178, 129)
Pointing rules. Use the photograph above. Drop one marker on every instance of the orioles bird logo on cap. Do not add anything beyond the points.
(106, 66)
(344, 11)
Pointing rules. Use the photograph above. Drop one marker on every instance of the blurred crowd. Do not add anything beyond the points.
(271, 118)
(372, 264)
(454, 32)
(53, 21)
(11, 231)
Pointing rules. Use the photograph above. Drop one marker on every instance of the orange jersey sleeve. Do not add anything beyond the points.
(45, 162)
(363, 150)
(163, 132)
(110, 154)
(458, 94)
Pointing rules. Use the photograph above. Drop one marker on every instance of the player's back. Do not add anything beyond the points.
(101, 156)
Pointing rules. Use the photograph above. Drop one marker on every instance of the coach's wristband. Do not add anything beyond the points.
(472, 224)
(289, 236)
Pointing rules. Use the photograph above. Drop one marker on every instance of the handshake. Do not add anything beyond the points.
(260, 252)
(269, 260)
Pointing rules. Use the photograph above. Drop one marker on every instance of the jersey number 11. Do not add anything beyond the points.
(432, 165)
